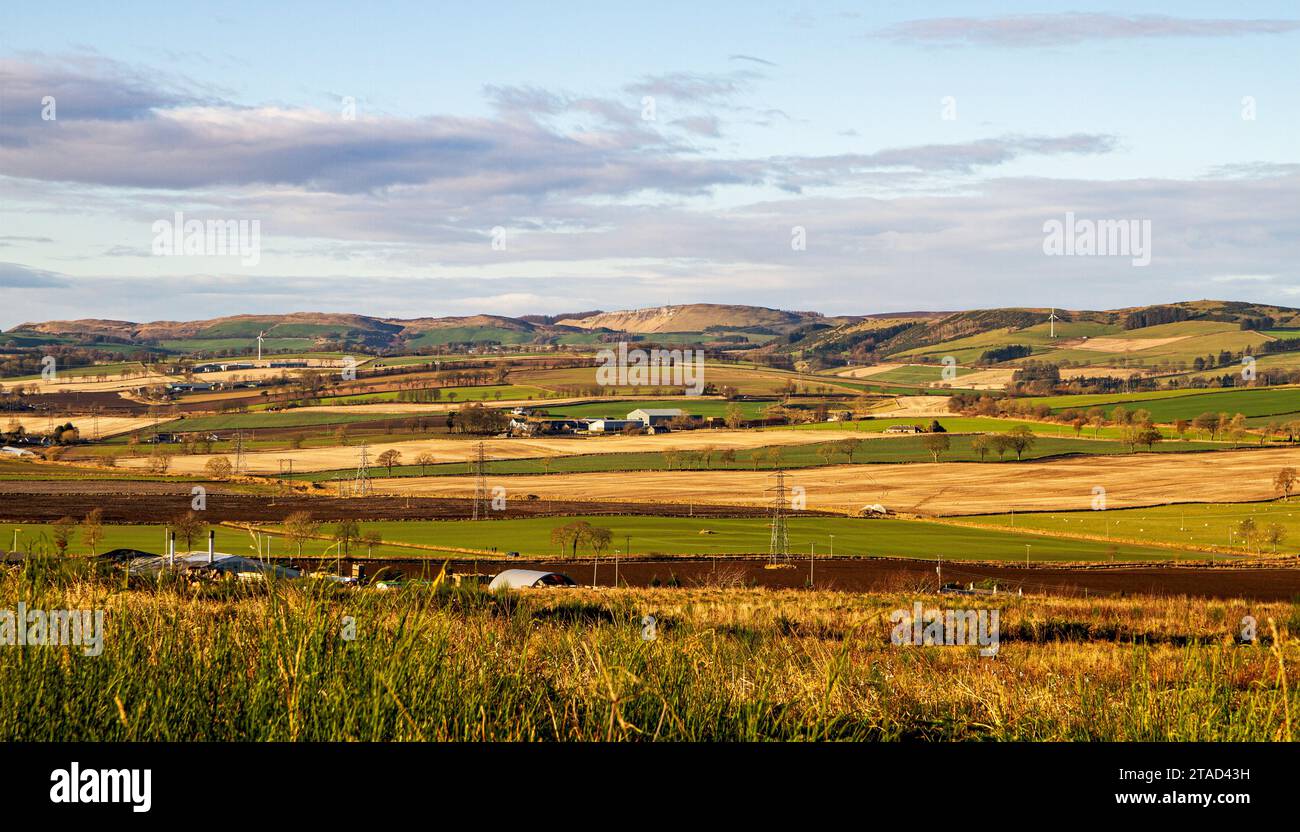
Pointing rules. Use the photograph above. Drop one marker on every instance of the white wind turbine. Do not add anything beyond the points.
(1052, 321)
(260, 336)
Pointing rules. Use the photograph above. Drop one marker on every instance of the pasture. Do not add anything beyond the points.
(1205, 524)
(1166, 406)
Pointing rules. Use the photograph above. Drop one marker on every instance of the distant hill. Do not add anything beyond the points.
(696, 317)
(1183, 330)
(1154, 335)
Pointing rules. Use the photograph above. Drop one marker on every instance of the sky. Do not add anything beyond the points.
(428, 159)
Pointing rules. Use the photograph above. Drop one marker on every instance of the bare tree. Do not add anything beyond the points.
(1285, 481)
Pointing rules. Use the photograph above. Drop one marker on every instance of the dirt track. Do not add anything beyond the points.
(924, 488)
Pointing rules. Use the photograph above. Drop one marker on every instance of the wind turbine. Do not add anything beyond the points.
(260, 336)
(1052, 321)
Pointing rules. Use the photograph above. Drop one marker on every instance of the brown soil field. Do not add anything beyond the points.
(76, 384)
(914, 406)
(460, 450)
(82, 402)
(889, 575)
(108, 425)
(864, 372)
(1098, 372)
(985, 379)
(1123, 345)
(153, 502)
(924, 488)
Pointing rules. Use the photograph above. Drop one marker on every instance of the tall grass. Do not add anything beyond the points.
(269, 662)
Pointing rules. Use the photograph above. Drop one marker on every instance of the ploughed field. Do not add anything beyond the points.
(924, 488)
(149, 502)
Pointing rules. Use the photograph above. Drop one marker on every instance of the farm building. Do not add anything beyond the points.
(220, 367)
(546, 427)
(652, 416)
(528, 579)
(612, 425)
(10, 450)
(904, 429)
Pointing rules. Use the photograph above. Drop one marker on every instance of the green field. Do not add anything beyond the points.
(885, 450)
(149, 538)
(969, 349)
(693, 405)
(501, 335)
(1196, 524)
(649, 536)
(450, 395)
(689, 536)
(245, 345)
(110, 369)
(1195, 338)
(962, 424)
(1168, 405)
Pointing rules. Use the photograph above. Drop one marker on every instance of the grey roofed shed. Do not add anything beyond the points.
(221, 563)
(528, 579)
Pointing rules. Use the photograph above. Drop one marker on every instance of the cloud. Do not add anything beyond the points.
(958, 158)
(700, 125)
(9, 240)
(90, 88)
(527, 153)
(393, 215)
(1031, 30)
(696, 87)
(750, 58)
(16, 276)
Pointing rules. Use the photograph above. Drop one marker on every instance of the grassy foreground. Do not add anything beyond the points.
(269, 663)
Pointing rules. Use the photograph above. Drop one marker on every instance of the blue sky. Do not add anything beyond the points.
(530, 118)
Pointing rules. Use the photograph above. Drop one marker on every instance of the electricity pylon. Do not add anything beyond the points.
(779, 547)
(479, 466)
(361, 483)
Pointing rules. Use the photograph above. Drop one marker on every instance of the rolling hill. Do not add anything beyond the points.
(1168, 337)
